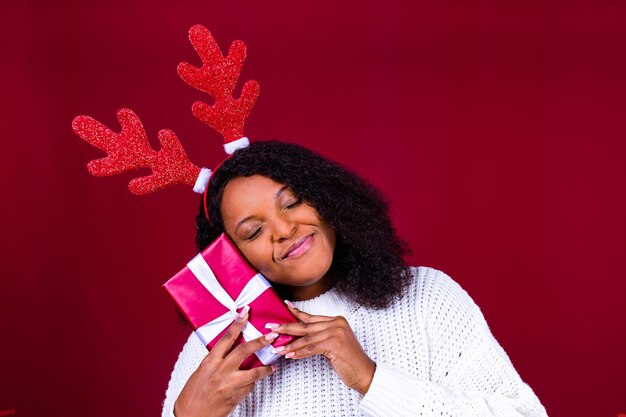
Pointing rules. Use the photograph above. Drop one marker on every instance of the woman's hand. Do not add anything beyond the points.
(333, 338)
(217, 386)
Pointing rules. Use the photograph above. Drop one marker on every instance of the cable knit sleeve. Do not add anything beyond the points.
(188, 361)
(470, 374)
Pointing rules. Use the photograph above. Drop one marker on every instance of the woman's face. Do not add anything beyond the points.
(282, 236)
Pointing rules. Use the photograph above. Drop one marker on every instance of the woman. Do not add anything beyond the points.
(377, 337)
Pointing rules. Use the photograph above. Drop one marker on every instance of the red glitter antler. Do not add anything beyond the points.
(130, 150)
(217, 77)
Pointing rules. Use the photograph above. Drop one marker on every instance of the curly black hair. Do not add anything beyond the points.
(369, 257)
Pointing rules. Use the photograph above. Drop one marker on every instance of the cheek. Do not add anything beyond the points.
(260, 256)
(327, 251)
(264, 267)
(330, 237)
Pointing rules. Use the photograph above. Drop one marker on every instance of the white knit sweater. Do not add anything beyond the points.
(435, 356)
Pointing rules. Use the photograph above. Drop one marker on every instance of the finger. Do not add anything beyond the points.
(298, 329)
(306, 346)
(225, 344)
(244, 350)
(244, 391)
(251, 376)
(300, 315)
(305, 317)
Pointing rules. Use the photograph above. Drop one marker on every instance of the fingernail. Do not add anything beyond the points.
(243, 312)
(271, 336)
(289, 355)
(271, 325)
(278, 349)
(290, 304)
(273, 368)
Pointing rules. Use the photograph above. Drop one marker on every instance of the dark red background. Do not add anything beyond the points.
(495, 129)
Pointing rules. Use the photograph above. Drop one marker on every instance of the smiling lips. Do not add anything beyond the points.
(299, 247)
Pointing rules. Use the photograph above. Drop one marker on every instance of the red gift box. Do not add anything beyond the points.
(215, 285)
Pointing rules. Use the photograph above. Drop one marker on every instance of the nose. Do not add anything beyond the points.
(283, 229)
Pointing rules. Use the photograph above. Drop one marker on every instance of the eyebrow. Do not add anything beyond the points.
(276, 197)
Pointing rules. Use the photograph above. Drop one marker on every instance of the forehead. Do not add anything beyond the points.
(244, 196)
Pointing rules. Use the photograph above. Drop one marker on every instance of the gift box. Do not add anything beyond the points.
(215, 285)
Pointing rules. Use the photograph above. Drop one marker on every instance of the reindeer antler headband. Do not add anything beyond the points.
(130, 148)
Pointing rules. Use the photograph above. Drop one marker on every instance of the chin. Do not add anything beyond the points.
(301, 272)
(308, 272)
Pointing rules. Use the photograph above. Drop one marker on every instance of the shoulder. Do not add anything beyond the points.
(430, 282)
(440, 297)
(188, 361)
(192, 353)
(427, 288)
(430, 276)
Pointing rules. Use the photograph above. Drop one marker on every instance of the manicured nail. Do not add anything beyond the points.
(244, 311)
(289, 355)
(273, 368)
(271, 336)
(271, 325)
(278, 349)
(290, 304)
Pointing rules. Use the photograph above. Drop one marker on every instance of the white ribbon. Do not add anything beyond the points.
(253, 289)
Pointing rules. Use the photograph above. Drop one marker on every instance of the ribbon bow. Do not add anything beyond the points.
(253, 289)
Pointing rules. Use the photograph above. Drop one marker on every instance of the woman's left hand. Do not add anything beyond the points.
(333, 338)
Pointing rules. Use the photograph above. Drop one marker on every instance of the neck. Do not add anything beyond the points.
(310, 291)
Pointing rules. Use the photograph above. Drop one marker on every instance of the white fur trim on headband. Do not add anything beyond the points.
(203, 179)
(231, 147)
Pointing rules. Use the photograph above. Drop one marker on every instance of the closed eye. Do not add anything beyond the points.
(295, 203)
(255, 234)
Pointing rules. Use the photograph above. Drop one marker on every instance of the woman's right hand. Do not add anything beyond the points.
(217, 386)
